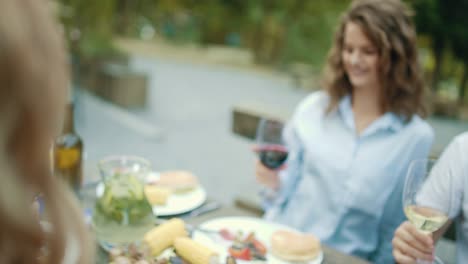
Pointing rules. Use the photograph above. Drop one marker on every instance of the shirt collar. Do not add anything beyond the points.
(388, 121)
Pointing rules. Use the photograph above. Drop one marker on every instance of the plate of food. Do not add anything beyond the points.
(253, 240)
(174, 192)
(171, 192)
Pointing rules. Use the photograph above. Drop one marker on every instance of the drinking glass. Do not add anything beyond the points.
(425, 214)
(271, 148)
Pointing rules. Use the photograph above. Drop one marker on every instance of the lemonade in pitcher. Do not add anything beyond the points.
(122, 213)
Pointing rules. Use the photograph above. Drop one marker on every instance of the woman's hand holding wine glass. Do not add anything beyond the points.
(272, 153)
(266, 176)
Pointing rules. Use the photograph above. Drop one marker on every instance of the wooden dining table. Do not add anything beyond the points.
(331, 256)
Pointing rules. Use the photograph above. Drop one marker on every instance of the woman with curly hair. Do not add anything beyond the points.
(350, 145)
(33, 83)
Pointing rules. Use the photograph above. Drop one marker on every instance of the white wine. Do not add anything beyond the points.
(122, 214)
(426, 219)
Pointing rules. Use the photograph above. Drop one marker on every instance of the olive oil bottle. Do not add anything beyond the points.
(68, 152)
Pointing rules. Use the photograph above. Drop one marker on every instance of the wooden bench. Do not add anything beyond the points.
(246, 116)
(122, 86)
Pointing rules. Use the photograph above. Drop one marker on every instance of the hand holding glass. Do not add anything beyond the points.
(418, 204)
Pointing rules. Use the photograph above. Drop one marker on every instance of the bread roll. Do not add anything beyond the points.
(294, 246)
(177, 181)
(157, 195)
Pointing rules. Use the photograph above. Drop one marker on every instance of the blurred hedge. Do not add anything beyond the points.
(278, 32)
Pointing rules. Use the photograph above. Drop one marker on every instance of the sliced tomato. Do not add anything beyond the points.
(243, 253)
(226, 234)
(256, 243)
(259, 247)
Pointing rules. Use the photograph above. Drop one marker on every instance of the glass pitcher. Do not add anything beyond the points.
(122, 214)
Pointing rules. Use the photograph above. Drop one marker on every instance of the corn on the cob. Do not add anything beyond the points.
(163, 236)
(157, 195)
(195, 252)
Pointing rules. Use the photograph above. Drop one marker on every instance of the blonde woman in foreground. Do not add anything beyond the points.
(33, 81)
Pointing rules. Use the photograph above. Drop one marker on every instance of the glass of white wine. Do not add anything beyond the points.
(420, 208)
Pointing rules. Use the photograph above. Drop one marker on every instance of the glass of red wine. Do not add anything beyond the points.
(271, 148)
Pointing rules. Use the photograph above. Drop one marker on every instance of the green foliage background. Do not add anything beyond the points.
(278, 32)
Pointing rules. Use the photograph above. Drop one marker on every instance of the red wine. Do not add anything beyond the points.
(272, 156)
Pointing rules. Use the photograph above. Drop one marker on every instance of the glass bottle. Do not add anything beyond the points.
(68, 152)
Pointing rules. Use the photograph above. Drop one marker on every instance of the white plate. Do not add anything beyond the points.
(176, 203)
(181, 203)
(263, 231)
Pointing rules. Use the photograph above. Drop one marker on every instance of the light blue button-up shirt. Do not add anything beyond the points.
(343, 187)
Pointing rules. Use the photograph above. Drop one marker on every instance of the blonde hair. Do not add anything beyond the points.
(388, 24)
(33, 81)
